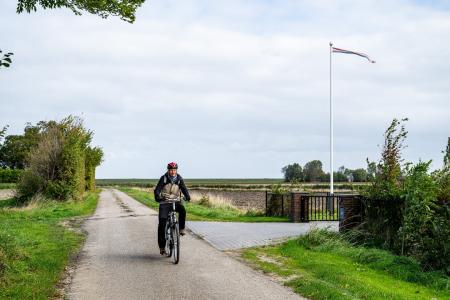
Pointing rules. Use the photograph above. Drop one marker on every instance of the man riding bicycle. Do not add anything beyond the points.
(168, 188)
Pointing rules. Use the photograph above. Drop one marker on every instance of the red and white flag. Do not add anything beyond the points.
(338, 50)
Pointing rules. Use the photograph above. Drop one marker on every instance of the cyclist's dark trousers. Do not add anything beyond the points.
(163, 213)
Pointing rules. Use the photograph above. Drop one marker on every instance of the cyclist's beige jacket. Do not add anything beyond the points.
(170, 191)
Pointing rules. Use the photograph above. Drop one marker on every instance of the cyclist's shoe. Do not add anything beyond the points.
(182, 232)
(162, 251)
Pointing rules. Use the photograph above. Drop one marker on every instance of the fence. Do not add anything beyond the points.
(304, 207)
(278, 205)
(321, 207)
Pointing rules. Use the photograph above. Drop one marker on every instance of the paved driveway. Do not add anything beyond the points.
(232, 235)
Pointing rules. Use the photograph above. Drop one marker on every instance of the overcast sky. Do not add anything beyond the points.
(233, 88)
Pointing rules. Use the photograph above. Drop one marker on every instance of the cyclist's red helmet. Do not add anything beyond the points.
(172, 165)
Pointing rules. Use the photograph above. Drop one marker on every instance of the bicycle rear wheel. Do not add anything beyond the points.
(176, 244)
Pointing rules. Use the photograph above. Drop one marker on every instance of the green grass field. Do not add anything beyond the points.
(323, 265)
(7, 186)
(197, 212)
(35, 246)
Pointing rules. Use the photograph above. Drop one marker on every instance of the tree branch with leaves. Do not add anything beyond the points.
(5, 59)
(124, 9)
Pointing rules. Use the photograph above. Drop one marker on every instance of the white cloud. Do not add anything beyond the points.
(238, 85)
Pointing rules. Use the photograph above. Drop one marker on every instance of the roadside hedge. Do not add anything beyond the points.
(10, 175)
(406, 207)
(62, 165)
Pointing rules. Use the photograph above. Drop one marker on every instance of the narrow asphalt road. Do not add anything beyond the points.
(121, 260)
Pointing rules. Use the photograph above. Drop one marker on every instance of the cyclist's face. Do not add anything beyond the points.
(173, 172)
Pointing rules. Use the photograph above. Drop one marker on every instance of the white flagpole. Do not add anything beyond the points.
(331, 128)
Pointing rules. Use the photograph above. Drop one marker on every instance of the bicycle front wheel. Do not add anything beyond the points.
(169, 241)
(176, 244)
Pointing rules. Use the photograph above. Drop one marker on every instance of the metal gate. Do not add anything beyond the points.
(305, 207)
(321, 207)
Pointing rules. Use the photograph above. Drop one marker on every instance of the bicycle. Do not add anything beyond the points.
(172, 234)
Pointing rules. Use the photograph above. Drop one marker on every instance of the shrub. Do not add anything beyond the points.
(204, 200)
(93, 159)
(278, 189)
(61, 162)
(423, 234)
(406, 210)
(442, 177)
(383, 201)
(29, 185)
(10, 175)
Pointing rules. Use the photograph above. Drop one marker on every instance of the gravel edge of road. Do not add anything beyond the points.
(62, 287)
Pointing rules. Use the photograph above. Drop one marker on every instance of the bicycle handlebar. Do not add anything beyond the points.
(172, 200)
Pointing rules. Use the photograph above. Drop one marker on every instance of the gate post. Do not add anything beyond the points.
(299, 207)
(295, 208)
(266, 202)
(350, 211)
(304, 208)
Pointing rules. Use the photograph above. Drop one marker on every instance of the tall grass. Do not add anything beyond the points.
(325, 265)
(205, 210)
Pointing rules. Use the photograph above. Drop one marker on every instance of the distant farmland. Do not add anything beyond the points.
(192, 182)
(232, 183)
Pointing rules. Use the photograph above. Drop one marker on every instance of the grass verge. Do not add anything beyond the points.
(4, 186)
(197, 212)
(35, 247)
(322, 265)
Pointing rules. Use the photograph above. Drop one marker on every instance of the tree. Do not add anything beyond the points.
(15, 148)
(5, 59)
(313, 170)
(292, 172)
(340, 175)
(2, 133)
(125, 9)
(447, 154)
(371, 169)
(359, 175)
(390, 164)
